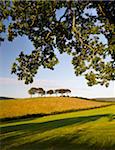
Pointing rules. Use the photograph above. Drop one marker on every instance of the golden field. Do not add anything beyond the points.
(44, 105)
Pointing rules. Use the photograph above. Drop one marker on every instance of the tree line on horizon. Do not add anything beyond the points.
(42, 92)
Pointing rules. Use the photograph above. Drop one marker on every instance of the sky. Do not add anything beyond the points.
(62, 76)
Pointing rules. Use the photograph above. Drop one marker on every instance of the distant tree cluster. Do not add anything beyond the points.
(39, 91)
(42, 92)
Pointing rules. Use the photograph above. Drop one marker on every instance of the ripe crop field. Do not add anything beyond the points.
(83, 130)
(45, 105)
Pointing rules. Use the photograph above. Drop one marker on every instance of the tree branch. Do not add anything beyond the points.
(101, 10)
(79, 34)
(63, 15)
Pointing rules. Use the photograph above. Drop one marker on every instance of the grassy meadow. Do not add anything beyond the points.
(92, 129)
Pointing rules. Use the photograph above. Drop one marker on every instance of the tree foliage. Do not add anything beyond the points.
(77, 32)
(62, 91)
(32, 91)
(40, 91)
(68, 91)
(50, 92)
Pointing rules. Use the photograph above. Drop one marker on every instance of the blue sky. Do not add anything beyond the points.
(61, 77)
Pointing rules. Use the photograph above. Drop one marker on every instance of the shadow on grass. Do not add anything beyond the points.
(67, 142)
(52, 124)
(21, 118)
(53, 143)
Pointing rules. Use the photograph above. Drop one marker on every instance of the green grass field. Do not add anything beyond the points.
(83, 130)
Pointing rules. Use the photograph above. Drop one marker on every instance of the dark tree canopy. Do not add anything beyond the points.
(77, 32)
(40, 91)
(32, 91)
(50, 92)
(62, 91)
(67, 91)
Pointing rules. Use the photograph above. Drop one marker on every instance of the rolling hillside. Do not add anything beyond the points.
(44, 106)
